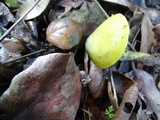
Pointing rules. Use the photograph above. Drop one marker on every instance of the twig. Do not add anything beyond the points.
(20, 58)
(144, 58)
(86, 111)
(129, 44)
(113, 88)
(106, 15)
(9, 30)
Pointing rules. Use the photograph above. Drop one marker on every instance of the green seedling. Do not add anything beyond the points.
(110, 112)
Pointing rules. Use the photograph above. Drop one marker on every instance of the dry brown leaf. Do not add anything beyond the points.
(49, 89)
(147, 40)
(135, 23)
(156, 30)
(149, 90)
(98, 82)
(128, 103)
(141, 115)
(69, 4)
(36, 11)
(23, 33)
(10, 49)
(93, 108)
(136, 18)
(88, 12)
(122, 83)
(88, 28)
(152, 13)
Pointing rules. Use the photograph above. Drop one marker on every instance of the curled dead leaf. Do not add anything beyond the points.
(10, 49)
(64, 33)
(122, 83)
(147, 40)
(149, 89)
(128, 103)
(97, 84)
(156, 30)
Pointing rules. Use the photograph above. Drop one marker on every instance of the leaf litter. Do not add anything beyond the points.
(50, 86)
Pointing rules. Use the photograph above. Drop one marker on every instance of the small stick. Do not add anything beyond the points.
(9, 30)
(113, 88)
(106, 15)
(20, 58)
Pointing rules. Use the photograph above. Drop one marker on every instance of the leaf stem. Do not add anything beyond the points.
(144, 58)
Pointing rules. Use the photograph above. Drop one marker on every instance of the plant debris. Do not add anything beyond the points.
(44, 79)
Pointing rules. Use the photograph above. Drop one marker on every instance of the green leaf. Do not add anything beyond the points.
(13, 3)
(1, 32)
(110, 112)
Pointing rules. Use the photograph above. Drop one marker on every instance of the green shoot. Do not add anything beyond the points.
(110, 112)
(1, 32)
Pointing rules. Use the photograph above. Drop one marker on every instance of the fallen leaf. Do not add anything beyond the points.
(126, 3)
(88, 12)
(149, 90)
(156, 30)
(36, 11)
(13, 47)
(93, 108)
(10, 49)
(3, 54)
(141, 115)
(122, 83)
(49, 89)
(88, 28)
(152, 13)
(128, 103)
(23, 33)
(69, 4)
(98, 82)
(5, 15)
(147, 40)
(137, 18)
